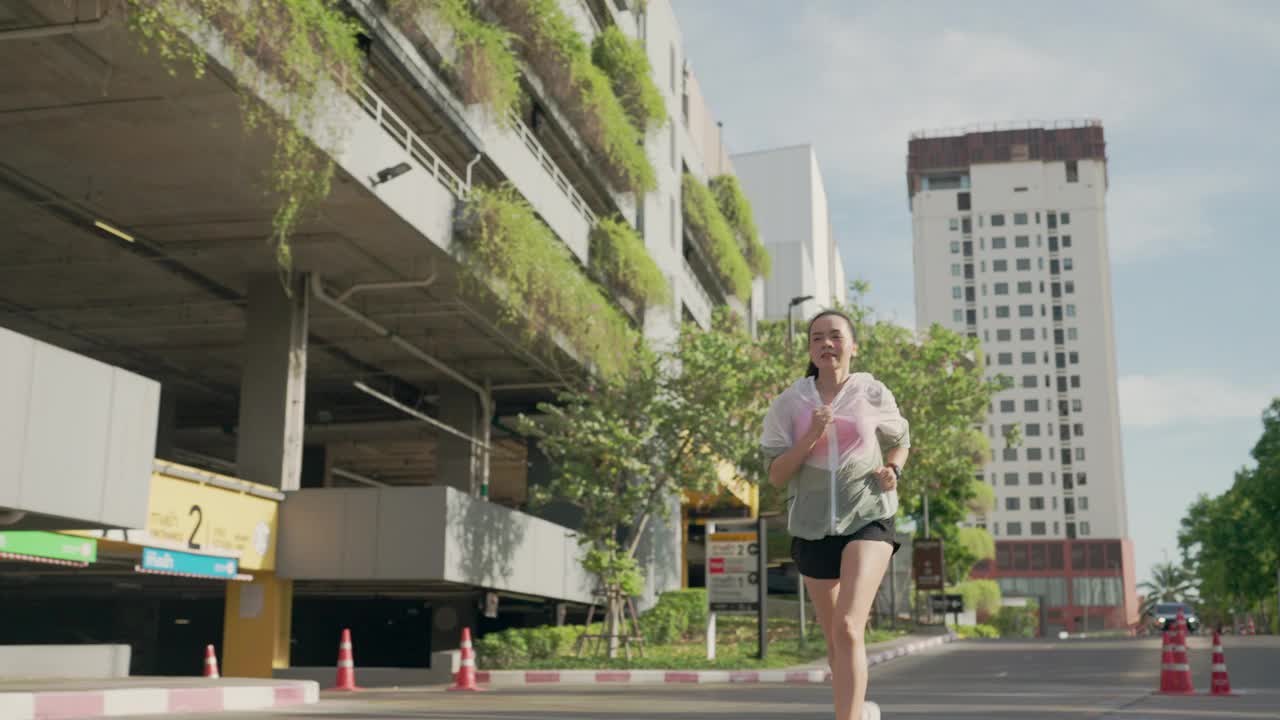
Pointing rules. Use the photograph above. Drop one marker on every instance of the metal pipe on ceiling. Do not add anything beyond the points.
(355, 477)
(486, 397)
(393, 285)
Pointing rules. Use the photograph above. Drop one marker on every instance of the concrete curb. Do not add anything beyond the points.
(517, 678)
(56, 705)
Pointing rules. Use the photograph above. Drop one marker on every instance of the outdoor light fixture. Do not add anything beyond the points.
(791, 327)
(107, 227)
(391, 173)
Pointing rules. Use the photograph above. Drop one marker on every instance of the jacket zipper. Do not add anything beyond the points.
(833, 457)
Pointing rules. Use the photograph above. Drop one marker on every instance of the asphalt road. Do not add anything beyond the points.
(968, 680)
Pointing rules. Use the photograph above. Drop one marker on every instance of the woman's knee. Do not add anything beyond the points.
(849, 632)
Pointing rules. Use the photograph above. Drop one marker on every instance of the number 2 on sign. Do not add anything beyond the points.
(191, 541)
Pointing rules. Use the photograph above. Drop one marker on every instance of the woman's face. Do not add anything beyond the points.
(831, 343)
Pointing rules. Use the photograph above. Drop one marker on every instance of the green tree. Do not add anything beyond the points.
(623, 446)
(1169, 583)
(1231, 542)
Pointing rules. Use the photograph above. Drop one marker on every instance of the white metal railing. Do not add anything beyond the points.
(544, 159)
(999, 127)
(399, 130)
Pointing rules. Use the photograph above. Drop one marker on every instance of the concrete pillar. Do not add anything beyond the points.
(458, 461)
(273, 387)
(166, 423)
(257, 622)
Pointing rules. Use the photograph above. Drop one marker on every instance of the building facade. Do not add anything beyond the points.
(330, 445)
(789, 199)
(1010, 246)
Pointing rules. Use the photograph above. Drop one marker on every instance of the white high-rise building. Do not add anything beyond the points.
(789, 201)
(1010, 246)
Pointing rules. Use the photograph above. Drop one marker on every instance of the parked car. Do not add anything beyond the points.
(1165, 616)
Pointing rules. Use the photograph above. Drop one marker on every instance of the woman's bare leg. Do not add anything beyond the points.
(824, 594)
(862, 567)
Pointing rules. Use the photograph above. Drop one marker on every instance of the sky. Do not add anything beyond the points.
(1188, 96)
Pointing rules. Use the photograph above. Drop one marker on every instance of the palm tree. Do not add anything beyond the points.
(1168, 583)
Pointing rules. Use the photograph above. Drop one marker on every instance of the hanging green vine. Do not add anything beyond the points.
(619, 255)
(624, 61)
(736, 209)
(484, 69)
(558, 53)
(703, 216)
(301, 49)
(508, 251)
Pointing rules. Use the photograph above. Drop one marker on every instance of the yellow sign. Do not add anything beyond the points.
(211, 519)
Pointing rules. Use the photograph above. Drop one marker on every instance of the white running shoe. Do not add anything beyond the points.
(870, 711)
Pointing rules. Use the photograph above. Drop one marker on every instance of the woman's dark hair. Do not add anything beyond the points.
(813, 369)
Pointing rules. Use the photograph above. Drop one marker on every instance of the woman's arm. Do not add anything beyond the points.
(786, 464)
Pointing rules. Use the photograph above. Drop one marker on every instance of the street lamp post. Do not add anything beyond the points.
(791, 328)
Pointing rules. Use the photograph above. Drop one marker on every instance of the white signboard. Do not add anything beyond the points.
(733, 577)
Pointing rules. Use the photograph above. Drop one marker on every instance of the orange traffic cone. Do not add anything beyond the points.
(466, 677)
(210, 662)
(1220, 682)
(1179, 670)
(346, 665)
(1167, 681)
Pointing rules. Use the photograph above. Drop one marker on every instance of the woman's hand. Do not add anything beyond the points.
(818, 422)
(887, 477)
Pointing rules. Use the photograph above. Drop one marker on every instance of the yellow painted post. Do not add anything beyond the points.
(256, 627)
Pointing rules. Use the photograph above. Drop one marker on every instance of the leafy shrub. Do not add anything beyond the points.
(511, 253)
(981, 596)
(1018, 621)
(678, 614)
(620, 256)
(557, 52)
(967, 632)
(625, 62)
(736, 209)
(703, 215)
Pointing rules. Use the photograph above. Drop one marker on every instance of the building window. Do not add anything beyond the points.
(1053, 222)
(1028, 381)
(1022, 241)
(1075, 381)
(1066, 220)
(1024, 264)
(1013, 528)
(675, 231)
(955, 270)
(954, 224)
(999, 265)
(1029, 357)
(1067, 264)
(1034, 453)
(1004, 335)
(1011, 478)
(1078, 429)
(955, 247)
(674, 151)
(1071, 310)
(1084, 532)
(1002, 288)
(1025, 288)
(1026, 311)
(1073, 175)
(1019, 218)
(1073, 334)
(1004, 359)
(1079, 453)
(1027, 334)
(1037, 503)
(1002, 311)
(962, 202)
(1037, 528)
(1083, 503)
(1070, 287)
(1012, 503)
(1081, 479)
(957, 293)
(1035, 478)
(998, 243)
(957, 315)
(1066, 241)
(997, 220)
(1077, 405)
(1010, 454)
(1008, 406)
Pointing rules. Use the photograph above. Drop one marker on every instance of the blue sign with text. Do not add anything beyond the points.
(175, 561)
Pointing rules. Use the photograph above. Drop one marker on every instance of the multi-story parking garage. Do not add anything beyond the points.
(256, 457)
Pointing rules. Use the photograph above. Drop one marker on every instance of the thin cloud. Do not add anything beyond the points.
(1182, 397)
